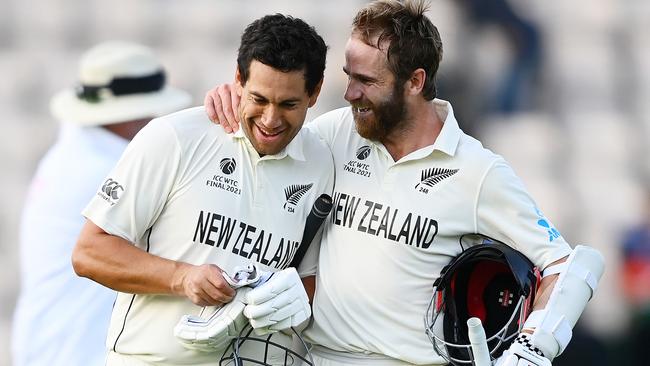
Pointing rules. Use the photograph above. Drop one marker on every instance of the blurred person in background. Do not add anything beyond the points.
(515, 88)
(60, 318)
(636, 287)
(517, 85)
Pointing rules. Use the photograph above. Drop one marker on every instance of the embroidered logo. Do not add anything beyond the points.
(363, 152)
(227, 165)
(111, 191)
(433, 176)
(294, 193)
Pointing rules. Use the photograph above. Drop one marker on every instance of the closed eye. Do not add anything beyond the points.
(289, 105)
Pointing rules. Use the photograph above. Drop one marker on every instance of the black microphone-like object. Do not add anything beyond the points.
(315, 219)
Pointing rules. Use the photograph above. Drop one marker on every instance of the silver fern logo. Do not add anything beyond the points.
(433, 176)
(294, 193)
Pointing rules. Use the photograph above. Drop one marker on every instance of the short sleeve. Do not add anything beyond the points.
(506, 212)
(134, 193)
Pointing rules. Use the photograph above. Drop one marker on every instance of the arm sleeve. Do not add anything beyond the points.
(505, 211)
(132, 196)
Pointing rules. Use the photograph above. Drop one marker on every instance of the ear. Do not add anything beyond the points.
(314, 96)
(238, 85)
(415, 83)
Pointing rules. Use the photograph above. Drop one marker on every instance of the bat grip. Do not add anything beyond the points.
(478, 342)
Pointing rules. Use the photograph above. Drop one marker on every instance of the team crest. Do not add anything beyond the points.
(293, 194)
(433, 176)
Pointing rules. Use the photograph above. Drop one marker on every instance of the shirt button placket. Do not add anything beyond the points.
(258, 192)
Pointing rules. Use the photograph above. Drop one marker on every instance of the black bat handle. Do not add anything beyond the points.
(315, 219)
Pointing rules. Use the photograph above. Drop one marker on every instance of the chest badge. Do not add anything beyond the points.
(293, 194)
(432, 176)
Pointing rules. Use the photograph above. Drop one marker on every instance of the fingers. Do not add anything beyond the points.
(277, 284)
(204, 285)
(285, 302)
(278, 319)
(221, 105)
(208, 103)
(226, 95)
(269, 307)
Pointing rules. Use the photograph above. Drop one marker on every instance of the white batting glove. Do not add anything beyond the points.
(522, 353)
(278, 304)
(217, 329)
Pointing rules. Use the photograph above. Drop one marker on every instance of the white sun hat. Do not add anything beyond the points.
(118, 82)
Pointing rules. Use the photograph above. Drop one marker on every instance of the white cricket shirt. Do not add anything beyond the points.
(61, 319)
(185, 190)
(394, 225)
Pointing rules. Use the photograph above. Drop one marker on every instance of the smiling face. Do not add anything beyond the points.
(376, 97)
(273, 106)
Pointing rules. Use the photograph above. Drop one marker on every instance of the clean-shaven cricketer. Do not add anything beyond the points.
(188, 201)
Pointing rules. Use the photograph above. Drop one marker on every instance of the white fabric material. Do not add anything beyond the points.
(189, 191)
(60, 318)
(278, 304)
(573, 289)
(98, 67)
(394, 225)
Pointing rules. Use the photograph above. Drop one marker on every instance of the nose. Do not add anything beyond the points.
(271, 118)
(352, 91)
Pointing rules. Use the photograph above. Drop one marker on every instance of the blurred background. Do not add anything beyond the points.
(560, 88)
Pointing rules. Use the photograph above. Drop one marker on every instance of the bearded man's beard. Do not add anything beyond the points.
(386, 117)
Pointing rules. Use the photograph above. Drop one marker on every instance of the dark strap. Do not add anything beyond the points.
(123, 86)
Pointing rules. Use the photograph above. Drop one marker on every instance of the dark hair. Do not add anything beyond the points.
(414, 42)
(284, 43)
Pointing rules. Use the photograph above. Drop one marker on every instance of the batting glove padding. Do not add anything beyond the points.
(522, 353)
(215, 331)
(278, 304)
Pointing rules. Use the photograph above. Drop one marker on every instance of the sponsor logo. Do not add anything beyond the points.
(228, 165)
(505, 298)
(432, 176)
(363, 152)
(111, 191)
(293, 194)
(552, 232)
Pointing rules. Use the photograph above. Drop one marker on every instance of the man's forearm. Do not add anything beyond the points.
(545, 289)
(118, 264)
